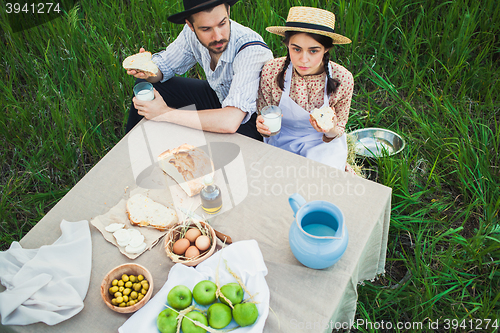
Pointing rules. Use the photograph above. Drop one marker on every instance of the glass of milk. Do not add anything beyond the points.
(144, 91)
(272, 118)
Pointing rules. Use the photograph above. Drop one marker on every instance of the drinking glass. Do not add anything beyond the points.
(144, 91)
(272, 118)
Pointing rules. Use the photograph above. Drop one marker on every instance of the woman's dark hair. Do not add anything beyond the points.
(332, 84)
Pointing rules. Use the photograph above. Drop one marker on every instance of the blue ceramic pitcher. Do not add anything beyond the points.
(318, 236)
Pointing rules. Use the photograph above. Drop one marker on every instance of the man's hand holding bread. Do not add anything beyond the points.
(140, 66)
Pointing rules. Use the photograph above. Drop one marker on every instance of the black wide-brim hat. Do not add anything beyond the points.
(195, 6)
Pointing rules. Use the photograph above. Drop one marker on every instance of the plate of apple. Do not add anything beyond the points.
(228, 291)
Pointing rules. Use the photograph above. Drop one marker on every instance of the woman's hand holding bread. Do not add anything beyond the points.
(324, 121)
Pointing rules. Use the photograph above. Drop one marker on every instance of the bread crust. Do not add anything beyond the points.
(134, 223)
(139, 57)
(191, 163)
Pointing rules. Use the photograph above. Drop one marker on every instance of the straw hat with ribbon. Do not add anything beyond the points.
(195, 6)
(313, 20)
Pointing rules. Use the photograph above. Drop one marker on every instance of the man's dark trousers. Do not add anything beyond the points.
(179, 92)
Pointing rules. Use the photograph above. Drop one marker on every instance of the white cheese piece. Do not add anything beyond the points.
(135, 249)
(122, 237)
(134, 233)
(136, 240)
(114, 227)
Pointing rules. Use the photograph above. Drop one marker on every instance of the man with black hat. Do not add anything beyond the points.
(232, 57)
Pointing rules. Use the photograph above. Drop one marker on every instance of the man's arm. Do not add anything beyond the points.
(223, 120)
(247, 67)
(177, 58)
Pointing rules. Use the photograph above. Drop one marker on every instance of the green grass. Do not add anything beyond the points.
(425, 69)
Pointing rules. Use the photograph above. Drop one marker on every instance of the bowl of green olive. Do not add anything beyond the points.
(126, 288)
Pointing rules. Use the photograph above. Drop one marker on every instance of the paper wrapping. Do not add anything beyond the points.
(118, 214)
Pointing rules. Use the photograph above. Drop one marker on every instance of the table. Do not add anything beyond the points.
(302, 299)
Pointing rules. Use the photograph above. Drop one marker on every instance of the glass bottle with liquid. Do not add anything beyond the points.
(211, 197)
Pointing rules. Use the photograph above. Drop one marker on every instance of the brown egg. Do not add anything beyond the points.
(192, 234)
(203, 243)
(192, 252)
(181, 245)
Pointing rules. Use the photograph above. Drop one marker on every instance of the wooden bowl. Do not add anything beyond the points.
(116, 273)
(174, 235)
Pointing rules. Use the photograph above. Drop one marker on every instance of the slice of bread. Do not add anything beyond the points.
(187, 165)
(143, 211)
(142, 62)
(324, 117)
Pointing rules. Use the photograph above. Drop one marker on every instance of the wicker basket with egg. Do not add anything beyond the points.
(190, 242)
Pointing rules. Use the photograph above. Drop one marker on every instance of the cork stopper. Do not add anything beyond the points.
(208, 180)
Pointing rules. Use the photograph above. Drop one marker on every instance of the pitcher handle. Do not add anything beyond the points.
(296, 201)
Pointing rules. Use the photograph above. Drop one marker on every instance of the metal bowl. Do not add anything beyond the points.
(377, 142)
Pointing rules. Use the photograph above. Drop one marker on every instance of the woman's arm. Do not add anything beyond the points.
(265, 95)
(342, 104)
(265, 92)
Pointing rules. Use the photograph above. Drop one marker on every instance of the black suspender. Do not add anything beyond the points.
(244, 46)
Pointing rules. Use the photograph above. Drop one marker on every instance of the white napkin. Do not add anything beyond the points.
(243, 258)
(46, 284)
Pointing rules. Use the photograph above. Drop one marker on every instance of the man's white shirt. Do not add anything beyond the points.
(236, 77)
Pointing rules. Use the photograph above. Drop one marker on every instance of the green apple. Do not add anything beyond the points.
(233, 292)
(189, 327)
(179, 297)
(219, 315)
(167, 321)
(204, 292)
(245, 314)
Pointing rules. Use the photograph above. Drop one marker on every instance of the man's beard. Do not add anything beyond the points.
(217, 50)
(210, 47)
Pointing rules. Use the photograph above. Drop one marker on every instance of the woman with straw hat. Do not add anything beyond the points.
(306, 80)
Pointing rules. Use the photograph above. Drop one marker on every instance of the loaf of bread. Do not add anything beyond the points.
(187, 165)
(143, 211)
(141, 62)
(324, 117)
